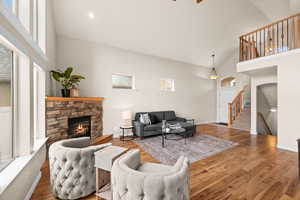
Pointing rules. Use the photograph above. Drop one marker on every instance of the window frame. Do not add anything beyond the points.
(39, 93)
(166, 89)
(13, 107)
(124, 75)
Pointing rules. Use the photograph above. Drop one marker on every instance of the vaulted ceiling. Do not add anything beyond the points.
(180, 30)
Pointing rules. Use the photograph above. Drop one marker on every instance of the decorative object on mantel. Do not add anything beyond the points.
(74, 92)
(67, 80)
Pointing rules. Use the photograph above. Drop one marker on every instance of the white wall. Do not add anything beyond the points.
(288, 100)
(288, 93)
(228, 69)
(50, 48)
(194, 96)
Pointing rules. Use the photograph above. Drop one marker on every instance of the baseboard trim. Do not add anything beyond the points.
(208, 122)
(286, 148)
(33, 186)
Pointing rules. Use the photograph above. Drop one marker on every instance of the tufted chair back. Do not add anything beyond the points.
(72, 170)
(132, 180)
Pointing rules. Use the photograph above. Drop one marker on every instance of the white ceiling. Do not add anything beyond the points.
(181, 30)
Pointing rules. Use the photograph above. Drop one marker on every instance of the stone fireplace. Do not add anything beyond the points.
(73, 117)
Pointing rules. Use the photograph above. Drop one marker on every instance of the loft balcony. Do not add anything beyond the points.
(275, 38)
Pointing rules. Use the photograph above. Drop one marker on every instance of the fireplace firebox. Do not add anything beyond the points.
(79, 127)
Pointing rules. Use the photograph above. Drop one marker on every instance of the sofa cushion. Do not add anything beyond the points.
(153, 119)
(153, 127)
(159, 116)
(170, 116)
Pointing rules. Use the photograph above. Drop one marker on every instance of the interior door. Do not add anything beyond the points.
(226, 96)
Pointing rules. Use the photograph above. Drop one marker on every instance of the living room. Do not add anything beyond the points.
(148, 99)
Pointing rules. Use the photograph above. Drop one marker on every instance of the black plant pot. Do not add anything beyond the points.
(65, 93)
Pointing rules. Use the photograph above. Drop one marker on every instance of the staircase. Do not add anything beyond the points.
(243, 121)
(240, 112)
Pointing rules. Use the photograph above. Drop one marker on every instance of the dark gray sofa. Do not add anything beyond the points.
(142, 130)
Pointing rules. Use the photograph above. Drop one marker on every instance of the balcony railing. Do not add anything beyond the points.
(281, 36)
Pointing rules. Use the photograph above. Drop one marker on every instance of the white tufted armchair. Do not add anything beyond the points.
(132, 180)
(72, 170)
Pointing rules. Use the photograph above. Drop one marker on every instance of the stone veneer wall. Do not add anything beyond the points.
(58, 113)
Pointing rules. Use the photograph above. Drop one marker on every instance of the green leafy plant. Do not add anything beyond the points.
(66, 79)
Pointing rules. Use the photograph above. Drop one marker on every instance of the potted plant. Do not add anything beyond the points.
(67, 80)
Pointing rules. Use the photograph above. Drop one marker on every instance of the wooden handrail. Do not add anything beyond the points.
(270, 25)
(236, 107)
(280, 36)
(265, 122)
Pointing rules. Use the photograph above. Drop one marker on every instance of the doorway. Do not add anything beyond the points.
(267, 109)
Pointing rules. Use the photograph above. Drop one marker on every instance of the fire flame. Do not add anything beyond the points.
(80, 128)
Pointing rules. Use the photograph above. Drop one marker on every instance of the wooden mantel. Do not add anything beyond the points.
(74, 98)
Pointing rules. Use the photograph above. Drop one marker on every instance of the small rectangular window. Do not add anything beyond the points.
(122, 81)
(167, 85)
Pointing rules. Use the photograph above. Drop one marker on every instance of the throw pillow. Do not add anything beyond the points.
(145, 119)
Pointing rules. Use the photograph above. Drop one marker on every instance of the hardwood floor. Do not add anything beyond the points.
(254, 170)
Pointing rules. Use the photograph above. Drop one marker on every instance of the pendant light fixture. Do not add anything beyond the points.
(213, 74)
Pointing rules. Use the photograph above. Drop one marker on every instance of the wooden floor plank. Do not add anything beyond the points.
(254, 170)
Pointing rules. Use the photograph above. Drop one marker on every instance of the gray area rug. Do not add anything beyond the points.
(196, 148)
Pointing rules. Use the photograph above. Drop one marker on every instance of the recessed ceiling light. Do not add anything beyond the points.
(91, 15)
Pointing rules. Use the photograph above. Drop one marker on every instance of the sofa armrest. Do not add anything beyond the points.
(138, 128)
(191, 121)
(180, 119)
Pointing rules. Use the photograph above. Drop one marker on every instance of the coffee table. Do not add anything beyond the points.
(175, 132)
(179, 133)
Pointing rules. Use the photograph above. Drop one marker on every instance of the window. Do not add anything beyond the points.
(39, 103)
(32, 14)
(41, 23)
(167, 85)
(228, 82)
(6, 106)
(122, 81)
(9, 4)
(24, 13)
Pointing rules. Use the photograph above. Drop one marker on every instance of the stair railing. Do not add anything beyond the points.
(264, 122)
(280, 36)
(236, 107)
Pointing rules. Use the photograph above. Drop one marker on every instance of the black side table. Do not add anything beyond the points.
(126, 138)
